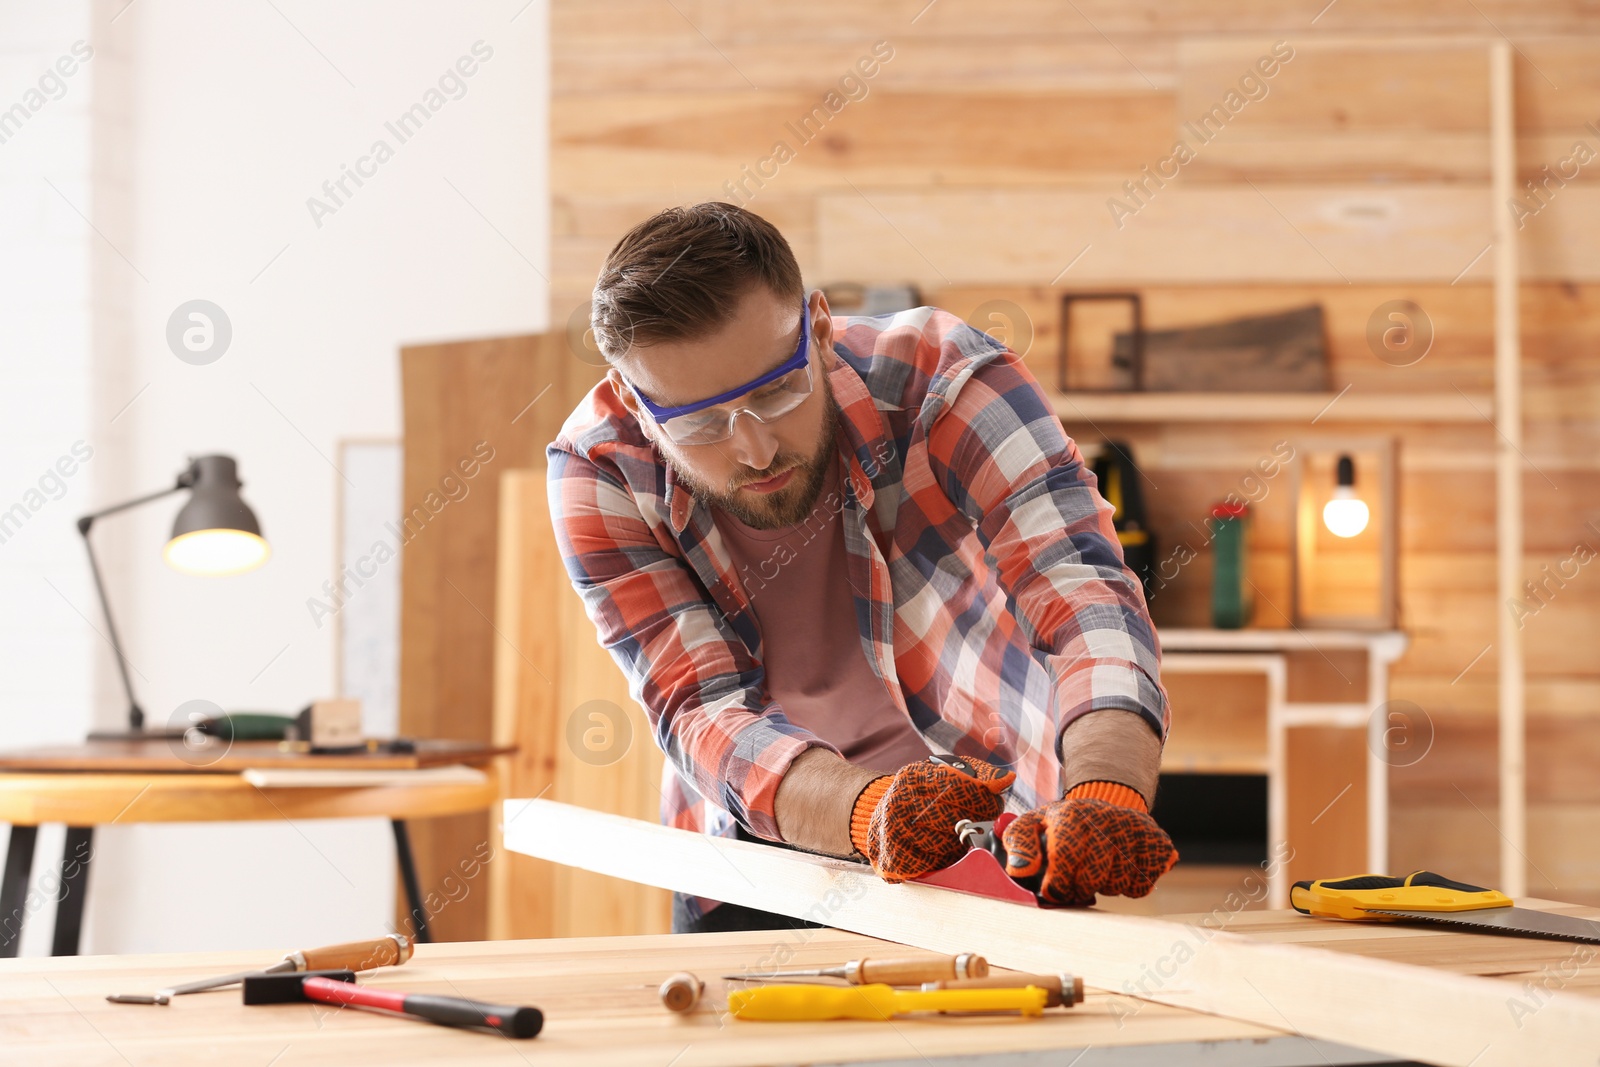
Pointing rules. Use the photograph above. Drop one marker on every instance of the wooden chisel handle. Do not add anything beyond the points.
(1061, 990)
(354, 955)
(916, 971)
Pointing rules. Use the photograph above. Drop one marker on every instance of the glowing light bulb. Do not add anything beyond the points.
(216, 552)
(1345, 515)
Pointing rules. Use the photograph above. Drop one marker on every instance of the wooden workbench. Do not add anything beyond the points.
(599, 1000)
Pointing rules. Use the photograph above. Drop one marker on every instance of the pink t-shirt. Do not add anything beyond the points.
(816, 668)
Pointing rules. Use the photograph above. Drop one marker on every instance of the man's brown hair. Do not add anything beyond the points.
(677, 275)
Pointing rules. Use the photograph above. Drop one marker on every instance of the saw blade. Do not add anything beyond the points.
(1523, 921)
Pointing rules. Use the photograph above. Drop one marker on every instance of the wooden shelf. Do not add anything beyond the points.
(1352, 406)
(1387, 644)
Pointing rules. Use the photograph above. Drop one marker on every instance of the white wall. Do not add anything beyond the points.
(235, 115)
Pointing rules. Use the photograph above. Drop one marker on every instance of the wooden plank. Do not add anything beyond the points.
(1362, 109)
(465, 402)
(1508, 479)
(1208, 408)
(1225, 730)
(1463, 830)
(1292, 975)
(722, 22)
(674, 62)
(746, 144)
(1326, 776)
(582, 739)
(526, 700)
(1189, 232)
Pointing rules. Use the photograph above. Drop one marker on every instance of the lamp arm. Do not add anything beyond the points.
(184, 481)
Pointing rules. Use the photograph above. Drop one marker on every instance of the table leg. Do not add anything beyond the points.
(408, 877)
(14, 888)
(75, 856)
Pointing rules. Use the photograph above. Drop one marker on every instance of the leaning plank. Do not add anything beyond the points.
(1395, 1008)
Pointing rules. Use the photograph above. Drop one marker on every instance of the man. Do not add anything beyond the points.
(858, 577)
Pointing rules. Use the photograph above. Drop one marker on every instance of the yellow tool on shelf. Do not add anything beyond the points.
(1423, 896)
(810, 1003)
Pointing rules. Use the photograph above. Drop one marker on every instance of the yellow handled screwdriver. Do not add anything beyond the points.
(886, 972)
(812, 1003)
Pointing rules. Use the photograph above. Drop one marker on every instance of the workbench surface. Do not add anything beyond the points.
(600, 1005)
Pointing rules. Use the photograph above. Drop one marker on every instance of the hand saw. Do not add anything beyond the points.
(1423, 896)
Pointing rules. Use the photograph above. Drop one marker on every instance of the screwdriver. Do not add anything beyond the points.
(887, 972)
(805, 1003)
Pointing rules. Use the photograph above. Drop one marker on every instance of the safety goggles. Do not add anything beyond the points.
(765, 399)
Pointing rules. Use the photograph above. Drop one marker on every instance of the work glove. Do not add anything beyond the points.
(1099, 839)
(904, 823)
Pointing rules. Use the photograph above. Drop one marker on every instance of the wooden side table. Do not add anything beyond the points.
(1322, 733)
(99, 783)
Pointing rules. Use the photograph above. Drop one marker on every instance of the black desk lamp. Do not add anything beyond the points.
(215, 533)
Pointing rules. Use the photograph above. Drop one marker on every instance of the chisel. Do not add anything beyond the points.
(389, 951)
(886, 972)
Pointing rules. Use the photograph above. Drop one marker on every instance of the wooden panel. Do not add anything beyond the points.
(1326, 773)
(1467, 834)
(1327, 675)
(1219, 723)
(583, 739)
(727, 21)
(609, 761)
(685, 62)
(526, 697)
(1191, 233)
(1410, 111)
(740, 144)
(489, 401)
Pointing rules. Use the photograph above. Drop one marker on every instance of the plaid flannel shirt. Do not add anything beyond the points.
(990, 591)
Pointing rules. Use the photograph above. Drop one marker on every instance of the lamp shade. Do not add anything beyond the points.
(215, 533)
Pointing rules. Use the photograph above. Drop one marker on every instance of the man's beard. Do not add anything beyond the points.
(788, 506)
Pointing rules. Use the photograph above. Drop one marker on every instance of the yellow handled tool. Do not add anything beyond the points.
(1423, 896)
(810, 1003)
(1368, 896)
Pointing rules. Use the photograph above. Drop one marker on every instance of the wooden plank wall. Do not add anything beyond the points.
(981, 159)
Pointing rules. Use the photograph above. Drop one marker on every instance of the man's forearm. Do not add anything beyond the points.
(814, 801)
(1111, 746)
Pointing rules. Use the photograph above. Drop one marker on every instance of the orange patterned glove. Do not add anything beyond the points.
(1099, 839)
(904, 824)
